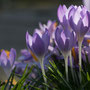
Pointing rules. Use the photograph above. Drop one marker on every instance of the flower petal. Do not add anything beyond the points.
(28, 40)
(38, 45)
(12, 56)
(61, 11)
(46, 39)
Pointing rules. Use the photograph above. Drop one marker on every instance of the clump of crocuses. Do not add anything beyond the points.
(80, 23)
(74, 23)
(77, 19)
(67, 40)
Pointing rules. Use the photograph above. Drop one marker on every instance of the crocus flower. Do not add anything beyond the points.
(38, 46)
(6, 63)
(51, 26)
(25, 56)
(80, 23)
(65, 40)
(63, 15)
(20, 67)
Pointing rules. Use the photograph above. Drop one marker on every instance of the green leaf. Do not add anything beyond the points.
(11, 75)
(57, 75)
(88, 77)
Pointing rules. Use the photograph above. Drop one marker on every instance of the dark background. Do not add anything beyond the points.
(18, 16)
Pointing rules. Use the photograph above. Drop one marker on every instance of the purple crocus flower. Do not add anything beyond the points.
(65, 40)
(20, 67)
(48, 25)
(63, 15)
(80, 21)
(6, 63)
(51, 26)
(25, 56)
(38, 46)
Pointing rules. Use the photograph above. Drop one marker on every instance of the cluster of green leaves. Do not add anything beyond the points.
(25, 82)
(55, 75)
(20, 85)
(58, 81)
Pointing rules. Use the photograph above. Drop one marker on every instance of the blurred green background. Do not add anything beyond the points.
(18, 16)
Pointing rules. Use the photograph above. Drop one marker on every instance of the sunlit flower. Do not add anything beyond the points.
(51, 27)
(27, 58)
(38, 46)
(6, 63)
(65, 40)
(80, 23)
(63, 15)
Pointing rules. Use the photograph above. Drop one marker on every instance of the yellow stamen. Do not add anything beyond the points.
(33, 55)
(55, 24)
(5, 81)
(14, 82)
(8, 53)
(88, 41)
(73, 53)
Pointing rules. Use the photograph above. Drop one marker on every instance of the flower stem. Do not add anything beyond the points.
(66, 66)
(80, 61)
(43, 71)
(71, 64)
